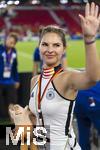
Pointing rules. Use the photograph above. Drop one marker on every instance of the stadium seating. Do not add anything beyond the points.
(70, 20)
(1, 22)
(31, 17)
(37, 17)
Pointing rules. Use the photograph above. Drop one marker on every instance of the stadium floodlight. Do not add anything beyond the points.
(16, 2)
(10, 2)
(3, 2)
(3, 5)
(85, 1)
(34, 2)
(77, 1)
(63, 1)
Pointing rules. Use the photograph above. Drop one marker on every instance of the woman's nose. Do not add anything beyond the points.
(50, 49)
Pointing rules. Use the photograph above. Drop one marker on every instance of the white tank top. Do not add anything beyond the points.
(57, 114)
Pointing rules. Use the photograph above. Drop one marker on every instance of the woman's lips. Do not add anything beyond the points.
(50, 56)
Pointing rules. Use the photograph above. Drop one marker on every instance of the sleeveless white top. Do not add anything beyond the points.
(57, 114)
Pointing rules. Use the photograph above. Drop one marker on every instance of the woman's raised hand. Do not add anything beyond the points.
(90, 23)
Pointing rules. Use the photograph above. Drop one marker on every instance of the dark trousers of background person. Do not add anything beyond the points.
(87, 114)
(8, 95)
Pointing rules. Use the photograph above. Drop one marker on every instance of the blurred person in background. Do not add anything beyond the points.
(8, 14)
(87, 111)
(9, 79)
(37, 62)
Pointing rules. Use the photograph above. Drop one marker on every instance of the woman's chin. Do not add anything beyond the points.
(51, 64)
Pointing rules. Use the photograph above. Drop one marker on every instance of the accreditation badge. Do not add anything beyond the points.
(7, 72)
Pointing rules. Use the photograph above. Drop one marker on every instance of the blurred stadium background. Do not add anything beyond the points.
(26, 16)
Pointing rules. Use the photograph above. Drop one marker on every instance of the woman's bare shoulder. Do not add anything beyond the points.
(67, 75)
(72, 70)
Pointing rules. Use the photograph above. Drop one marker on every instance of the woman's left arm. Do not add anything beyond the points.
(90, 25)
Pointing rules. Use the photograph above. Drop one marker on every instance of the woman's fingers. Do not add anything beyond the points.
(96, 11)
(82, 18)
(87, 10)
(92, 9)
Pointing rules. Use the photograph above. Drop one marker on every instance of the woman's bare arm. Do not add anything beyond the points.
(90, 24)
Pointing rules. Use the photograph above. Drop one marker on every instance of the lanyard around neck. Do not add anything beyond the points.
(40, 97)
(8, 58)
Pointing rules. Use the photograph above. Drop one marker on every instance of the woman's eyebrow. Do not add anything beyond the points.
(57, 43)
(45, 43)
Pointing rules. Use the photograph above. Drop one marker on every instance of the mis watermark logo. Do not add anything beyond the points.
(38, 136)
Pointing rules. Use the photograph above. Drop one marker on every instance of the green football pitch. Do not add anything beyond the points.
(75, 54)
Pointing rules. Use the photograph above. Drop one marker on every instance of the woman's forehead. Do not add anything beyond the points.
(51, 38)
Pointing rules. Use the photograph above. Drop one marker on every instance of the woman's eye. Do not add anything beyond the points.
(56, 45)
(44, 44)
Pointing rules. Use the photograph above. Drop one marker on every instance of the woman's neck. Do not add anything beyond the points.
(47, 72)
(45, 66)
